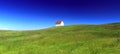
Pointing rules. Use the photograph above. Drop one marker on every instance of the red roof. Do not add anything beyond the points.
(58, 22)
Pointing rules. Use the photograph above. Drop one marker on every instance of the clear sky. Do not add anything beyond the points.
(37, 14)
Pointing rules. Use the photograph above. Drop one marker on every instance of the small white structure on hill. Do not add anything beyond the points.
(59, 23)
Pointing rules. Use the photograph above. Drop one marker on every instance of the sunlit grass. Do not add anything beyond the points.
(75, 39)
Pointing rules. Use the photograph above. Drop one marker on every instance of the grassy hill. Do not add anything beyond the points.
(73, 39)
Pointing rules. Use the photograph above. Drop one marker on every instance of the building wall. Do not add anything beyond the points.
(61, 24)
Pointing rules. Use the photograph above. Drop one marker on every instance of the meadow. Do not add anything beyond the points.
(72, 39)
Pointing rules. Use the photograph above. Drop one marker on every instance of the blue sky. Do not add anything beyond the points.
(38, 14)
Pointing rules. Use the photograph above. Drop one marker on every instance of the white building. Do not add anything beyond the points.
(59, 23)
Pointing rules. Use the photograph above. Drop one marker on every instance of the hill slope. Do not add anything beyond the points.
(74, 39)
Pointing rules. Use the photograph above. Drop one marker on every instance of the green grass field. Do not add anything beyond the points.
(73, 39)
